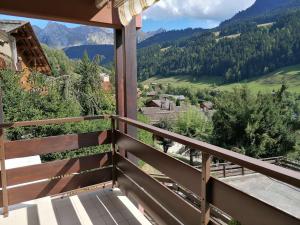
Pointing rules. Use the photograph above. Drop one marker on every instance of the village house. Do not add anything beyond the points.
(159, 109)
(21, 51)
(206, 106)
(106, 85)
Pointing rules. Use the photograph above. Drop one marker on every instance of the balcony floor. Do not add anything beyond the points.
(104, 207)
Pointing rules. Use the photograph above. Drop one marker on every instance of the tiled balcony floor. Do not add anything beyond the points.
(104, 207)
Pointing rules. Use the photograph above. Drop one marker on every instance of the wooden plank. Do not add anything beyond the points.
(245, 208)
(57, 168)
(1, 199)
(39, 146)
(171, 167)
(181, 209)
(57, 186)
(205, 176)
(67, 11)
(113, 151)
(120, 76)
(155, 210)
(52, 121)
(4, 193)
(130, 41)
(277, 172)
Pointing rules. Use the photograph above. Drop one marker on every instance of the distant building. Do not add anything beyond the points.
(20, 49)
(164, 104)
(106, 85)
(175, 97)
(206, 106)
(157, 110)
(151, 94)
(104, 77)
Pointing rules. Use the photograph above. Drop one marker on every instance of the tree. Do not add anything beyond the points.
(193, 124)
(91, 96)
(257, 125)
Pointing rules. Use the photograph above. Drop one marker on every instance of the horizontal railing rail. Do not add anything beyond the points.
(288, 176)
(52, 121)
(163, 204)
(209, 190)
(58, 176)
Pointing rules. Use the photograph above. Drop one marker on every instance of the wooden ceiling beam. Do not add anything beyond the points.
(73, 11)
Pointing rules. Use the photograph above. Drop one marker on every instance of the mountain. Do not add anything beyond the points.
(142, 36)
(105, 51)
(264, 8)
(57, 35)
(253, 51)
(145, 39)
(169, 36)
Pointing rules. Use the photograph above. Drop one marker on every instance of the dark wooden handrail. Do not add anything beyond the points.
(288, 176)
(52, 121)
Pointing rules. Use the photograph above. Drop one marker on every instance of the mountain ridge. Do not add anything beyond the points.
(60, 36)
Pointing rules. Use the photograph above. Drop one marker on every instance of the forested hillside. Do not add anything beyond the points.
(169, 36)
(106, 52)
(263, 9)
(254, 52)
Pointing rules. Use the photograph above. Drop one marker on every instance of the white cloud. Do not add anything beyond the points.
(196, 9)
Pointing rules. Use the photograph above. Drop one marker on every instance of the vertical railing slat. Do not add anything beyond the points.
(205, 175)
(113, 148)
(2, 161)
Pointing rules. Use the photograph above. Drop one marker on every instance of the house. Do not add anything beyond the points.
(156, 110)
(20, 50)
(105, 81)
(151, 94)
(206, 106)
(175, 97)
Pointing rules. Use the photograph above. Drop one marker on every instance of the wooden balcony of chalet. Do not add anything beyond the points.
(96, 189)
(106, 188)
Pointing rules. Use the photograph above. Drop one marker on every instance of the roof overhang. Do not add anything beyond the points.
(73, 11)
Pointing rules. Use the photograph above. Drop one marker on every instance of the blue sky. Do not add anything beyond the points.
(174, 14)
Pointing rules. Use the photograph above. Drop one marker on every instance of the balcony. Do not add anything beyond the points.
(107, 188)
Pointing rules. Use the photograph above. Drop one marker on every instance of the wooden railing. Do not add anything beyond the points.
(161, 203)
(169, 208)
(227, 169)
(36, 181)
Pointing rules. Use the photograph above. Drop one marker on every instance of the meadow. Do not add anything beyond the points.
(267, 83)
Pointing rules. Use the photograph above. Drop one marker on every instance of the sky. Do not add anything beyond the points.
(178, 14)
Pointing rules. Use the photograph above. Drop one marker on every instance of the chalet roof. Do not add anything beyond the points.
(28, 46)
(207, 104)
(11, 25)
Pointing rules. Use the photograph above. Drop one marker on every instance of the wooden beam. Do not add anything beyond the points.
(120, 76)
(130, 75)
(126, 78)
(2, 161)
(73, 11)
(205, 175)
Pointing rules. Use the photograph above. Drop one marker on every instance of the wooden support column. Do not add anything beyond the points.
(205, 175)
(113, 149)
(2, 161)
(126, 78)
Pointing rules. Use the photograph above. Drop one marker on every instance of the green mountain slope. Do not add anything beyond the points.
(264, 9)
(267, 83)
(258, 50)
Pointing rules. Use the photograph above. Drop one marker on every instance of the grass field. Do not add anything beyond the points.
(267, 83)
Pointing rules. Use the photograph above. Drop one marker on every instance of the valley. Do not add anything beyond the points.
(267, 83)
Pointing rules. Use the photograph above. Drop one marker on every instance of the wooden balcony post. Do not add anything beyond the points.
(2, 161)
(113, 149)
(126, 78)
(205, 175)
